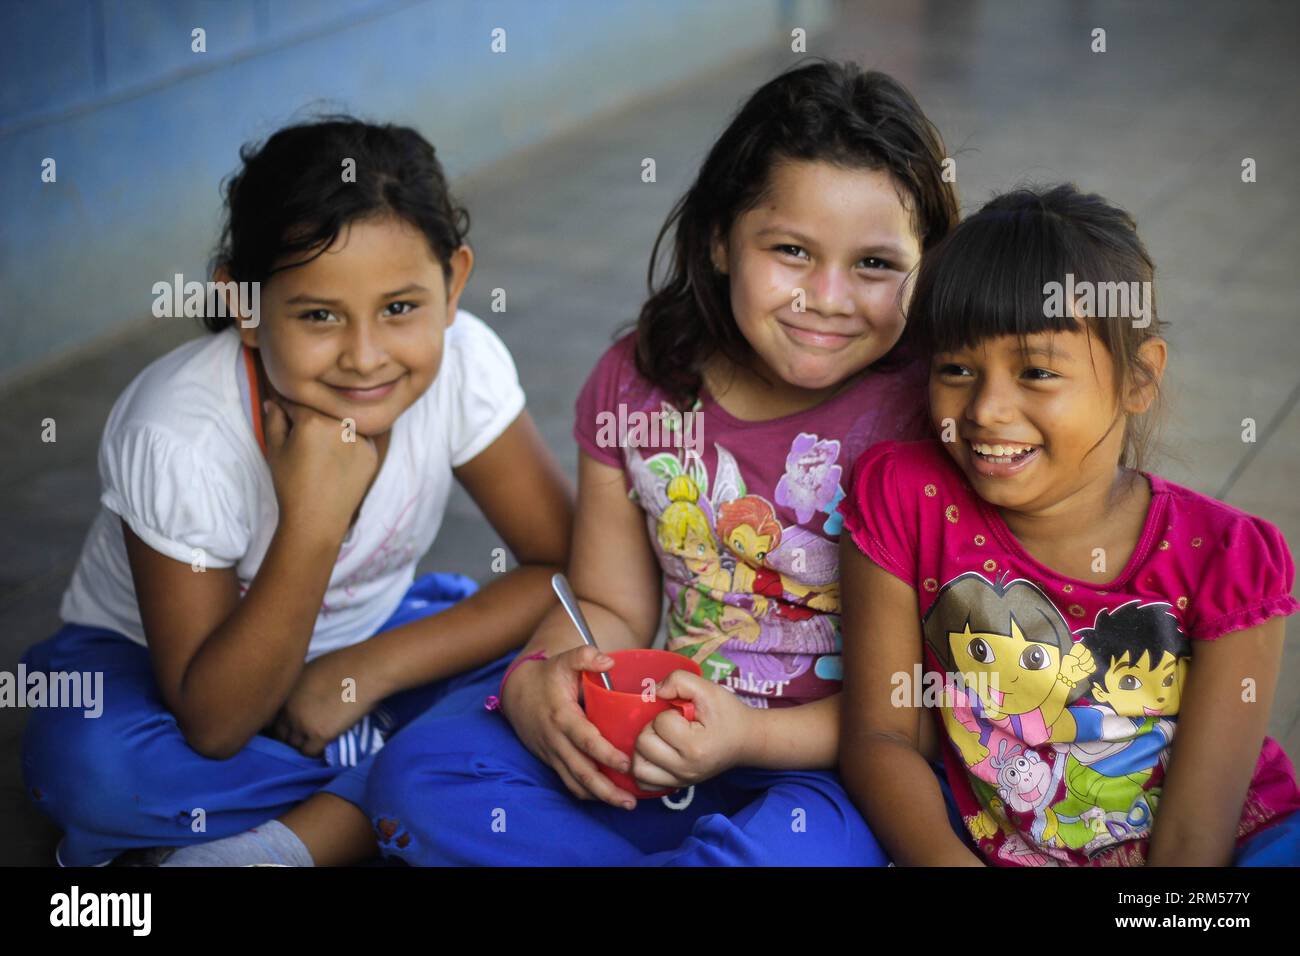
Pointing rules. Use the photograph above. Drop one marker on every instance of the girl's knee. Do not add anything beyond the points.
(806, 819)
(392, 772)
(80, 771)
(418, 768)
(429, 803)
(411, 795)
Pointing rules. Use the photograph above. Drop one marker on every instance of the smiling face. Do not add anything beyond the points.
(1144, 688)
(358, 331)
(748, 545)
(844, 237)
(699, 552)
(684, 532)
(1034, 426)
(1021, 673)
(1023, 782)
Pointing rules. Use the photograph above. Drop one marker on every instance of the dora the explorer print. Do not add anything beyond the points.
(1102, 699)
(1060, 697)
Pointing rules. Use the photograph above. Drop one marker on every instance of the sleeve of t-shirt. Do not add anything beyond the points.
(599, 395)
(485, 387)
(875, 511)
(1249, 579)
(175, 499)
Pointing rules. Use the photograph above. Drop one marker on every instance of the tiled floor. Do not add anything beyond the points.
(1160, 123)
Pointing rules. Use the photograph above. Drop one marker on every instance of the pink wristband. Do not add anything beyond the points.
(494, 701)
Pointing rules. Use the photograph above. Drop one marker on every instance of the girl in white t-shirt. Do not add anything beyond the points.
(247, 591)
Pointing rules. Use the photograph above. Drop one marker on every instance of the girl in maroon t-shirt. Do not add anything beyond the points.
(713, 443)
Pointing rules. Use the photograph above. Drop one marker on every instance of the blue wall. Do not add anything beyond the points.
(143, 129)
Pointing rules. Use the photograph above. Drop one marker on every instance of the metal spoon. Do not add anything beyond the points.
(570, 602)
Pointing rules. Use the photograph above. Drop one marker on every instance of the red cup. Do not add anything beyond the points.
(620, 714)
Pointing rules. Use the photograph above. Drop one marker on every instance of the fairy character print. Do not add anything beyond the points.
(752, 533)
(698, 610)
(751, 600)
(684, 532)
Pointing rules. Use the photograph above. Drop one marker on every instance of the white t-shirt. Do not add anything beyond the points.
(179, 461)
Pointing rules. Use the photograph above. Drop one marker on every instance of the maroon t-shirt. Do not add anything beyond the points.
(742, 516)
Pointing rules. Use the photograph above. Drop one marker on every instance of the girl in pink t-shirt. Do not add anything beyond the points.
(1063, 614)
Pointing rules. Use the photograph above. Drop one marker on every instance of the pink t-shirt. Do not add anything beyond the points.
(742, 516)
(1059, 698)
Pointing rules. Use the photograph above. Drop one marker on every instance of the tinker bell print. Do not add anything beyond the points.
(729, 543)
(674, 491)
(699, 611)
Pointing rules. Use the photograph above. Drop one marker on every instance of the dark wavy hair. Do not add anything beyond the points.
(822, 111)
(289, 199)
(989, 276)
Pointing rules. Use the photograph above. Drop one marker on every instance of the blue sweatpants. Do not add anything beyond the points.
(457, 787)
(128, 779)
(1278, 845)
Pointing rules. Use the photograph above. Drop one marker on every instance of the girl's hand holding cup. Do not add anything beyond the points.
(673, 752)
(541, 701)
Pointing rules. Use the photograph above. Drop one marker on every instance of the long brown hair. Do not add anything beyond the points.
(823, 111)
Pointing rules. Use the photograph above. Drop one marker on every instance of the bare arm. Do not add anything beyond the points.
(806, 737)
(1220, 731)
(613, 569)
(225, 665)
(881, 745)
(617, 581)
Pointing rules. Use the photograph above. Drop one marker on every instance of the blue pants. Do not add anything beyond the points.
(457, 787)
(128, 779)
(1279, 845)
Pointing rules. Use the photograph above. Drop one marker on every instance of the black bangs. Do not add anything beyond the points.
(293, 196)
(1044, 260)
(991, 277)
(1022, 264)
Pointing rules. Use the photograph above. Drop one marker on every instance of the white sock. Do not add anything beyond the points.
(272, 842)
